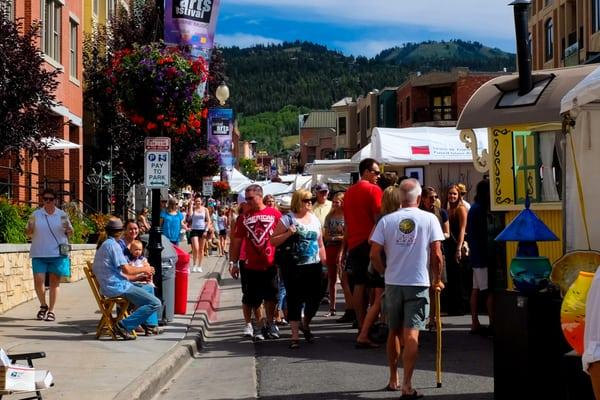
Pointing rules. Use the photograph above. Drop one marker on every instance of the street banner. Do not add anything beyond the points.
(220, 129)
(191, 22)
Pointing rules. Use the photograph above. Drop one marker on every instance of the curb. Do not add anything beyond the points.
(152, 380)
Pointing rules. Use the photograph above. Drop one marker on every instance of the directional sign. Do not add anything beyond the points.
(157, 162)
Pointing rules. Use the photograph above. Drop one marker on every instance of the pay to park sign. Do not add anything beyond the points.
(157, 162)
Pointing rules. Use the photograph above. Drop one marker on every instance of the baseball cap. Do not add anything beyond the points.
(321, 187)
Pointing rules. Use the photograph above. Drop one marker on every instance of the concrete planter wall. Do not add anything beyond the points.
(16, 278)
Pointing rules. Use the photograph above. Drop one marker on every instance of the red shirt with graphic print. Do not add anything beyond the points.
(256, 228)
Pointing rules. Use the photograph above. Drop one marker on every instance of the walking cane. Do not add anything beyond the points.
(438, 326)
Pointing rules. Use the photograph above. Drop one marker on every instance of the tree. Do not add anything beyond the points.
(249, 167)
(26, 92)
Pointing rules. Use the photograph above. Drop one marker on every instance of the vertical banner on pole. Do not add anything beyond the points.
(220, 129)
(192, 23)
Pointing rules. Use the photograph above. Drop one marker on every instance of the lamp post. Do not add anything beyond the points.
(222, 93)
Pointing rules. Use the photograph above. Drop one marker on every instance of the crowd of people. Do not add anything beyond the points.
(388, 248)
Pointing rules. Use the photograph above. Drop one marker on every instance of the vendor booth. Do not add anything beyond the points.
(526, 163)
(435, 156)
(581, 107)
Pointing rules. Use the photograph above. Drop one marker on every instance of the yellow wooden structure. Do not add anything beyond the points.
(516, 124)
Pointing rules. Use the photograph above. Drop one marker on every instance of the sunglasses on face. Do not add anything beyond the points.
(48, 198)
(249, 198)
(376, 173)
(307, 201)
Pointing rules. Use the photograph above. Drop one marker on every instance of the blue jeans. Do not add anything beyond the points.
(152, 319)
(147, 305)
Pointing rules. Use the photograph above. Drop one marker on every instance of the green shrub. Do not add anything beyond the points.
(82, 226)
(13, 221)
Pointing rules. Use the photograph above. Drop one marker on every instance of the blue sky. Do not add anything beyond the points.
(365, 27)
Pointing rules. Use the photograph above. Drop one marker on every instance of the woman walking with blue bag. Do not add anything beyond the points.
(299, 235)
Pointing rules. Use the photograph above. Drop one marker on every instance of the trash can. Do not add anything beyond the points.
(168, 286)
(182, 272)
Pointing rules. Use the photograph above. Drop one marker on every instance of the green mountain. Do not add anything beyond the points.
(303, 74)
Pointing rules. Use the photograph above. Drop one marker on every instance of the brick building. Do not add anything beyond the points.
(437, 98)
(61, 44)
(318, 136)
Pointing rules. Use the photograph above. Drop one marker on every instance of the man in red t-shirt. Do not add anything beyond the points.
(260, 275)
(362, 203)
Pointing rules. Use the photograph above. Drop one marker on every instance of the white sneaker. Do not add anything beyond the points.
(194, 268)
(198, 269)
(248, 330)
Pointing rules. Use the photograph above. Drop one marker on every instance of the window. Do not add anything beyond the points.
(73, 49)
(52, 27)
(595, 15)
(400, 112)
(368, 117)
(526, 166)
(442, 107)
(8, 8)
(537, 166)
(408, 108)
(342, 125)
(549, 36)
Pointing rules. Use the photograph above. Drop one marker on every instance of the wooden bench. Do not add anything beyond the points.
(119, 304)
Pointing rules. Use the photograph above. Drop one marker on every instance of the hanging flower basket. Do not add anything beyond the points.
(221, 189)
(156, 87)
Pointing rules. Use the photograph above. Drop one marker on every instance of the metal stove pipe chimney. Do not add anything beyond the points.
(520, 8)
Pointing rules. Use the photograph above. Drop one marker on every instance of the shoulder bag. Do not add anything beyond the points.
(64, 249)
(286, 253)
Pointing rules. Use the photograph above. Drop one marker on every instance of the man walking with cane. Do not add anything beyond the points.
(409, 237)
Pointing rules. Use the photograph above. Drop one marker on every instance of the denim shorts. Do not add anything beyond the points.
(406, 306)
(60, 266)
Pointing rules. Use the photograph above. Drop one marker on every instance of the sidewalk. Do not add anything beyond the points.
(84, 367)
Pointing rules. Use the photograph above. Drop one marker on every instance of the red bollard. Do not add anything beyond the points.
(182, 272)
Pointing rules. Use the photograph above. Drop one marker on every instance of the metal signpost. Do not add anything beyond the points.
(157, 175)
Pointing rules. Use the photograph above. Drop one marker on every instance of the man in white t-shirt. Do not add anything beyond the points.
(409, 237)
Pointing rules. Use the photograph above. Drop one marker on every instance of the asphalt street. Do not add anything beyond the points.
(230, 367)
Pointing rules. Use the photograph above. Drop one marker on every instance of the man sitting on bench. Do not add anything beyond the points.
(114, 274)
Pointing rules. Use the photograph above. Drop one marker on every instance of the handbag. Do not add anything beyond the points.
(286, 253)
(64, 249)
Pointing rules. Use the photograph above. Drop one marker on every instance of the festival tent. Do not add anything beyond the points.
(237, 182)
(422, 146)
(363, 153)
(582, 105)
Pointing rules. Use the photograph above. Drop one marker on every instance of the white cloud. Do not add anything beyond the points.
(490, 18)
(368, 48)
(243, 40)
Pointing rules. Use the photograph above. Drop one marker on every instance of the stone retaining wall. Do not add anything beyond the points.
(16, 278)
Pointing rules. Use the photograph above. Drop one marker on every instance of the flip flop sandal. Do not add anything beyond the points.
(308, 336)
(294, 345)
(388, 388)
(411, 396)
(41, 315)
(366, 345)
(50, 316)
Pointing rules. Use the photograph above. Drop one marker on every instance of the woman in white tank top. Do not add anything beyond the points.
(199, 223)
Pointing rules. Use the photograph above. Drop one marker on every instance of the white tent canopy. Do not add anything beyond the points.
(331, 167)
(586, 91)
(422, 145)
(55, 143)
(237, 182)
(582, 102)
(363, 153)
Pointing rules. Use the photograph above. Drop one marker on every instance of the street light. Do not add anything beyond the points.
(222, 93)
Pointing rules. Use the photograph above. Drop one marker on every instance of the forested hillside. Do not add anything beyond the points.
(267, 78)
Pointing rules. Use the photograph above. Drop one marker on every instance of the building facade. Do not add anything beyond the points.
(318, 136)
(437, 98)
(564, 33)
(61, 44)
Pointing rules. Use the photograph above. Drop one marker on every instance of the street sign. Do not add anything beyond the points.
(157, 162)
(207, 186)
